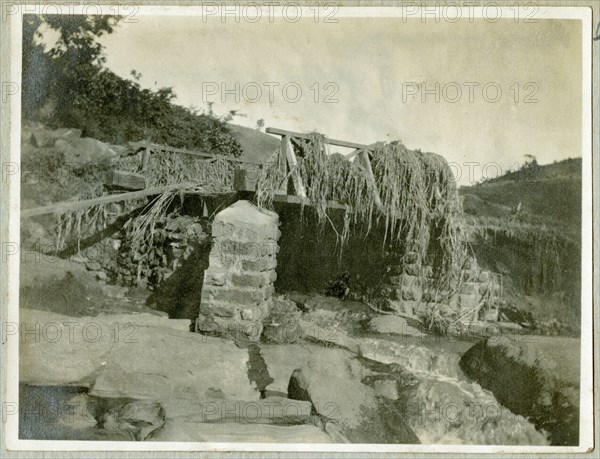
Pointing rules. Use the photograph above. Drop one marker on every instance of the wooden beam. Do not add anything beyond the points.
(339, 143)
(363, 156)
(283, 166)
(353, 154)
(125, 180)
(165, 148)
(65, 206)
(146, 159)
(293, 163)
(290, 199)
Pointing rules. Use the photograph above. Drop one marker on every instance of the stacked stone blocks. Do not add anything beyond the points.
(407, 285)
(238, 283)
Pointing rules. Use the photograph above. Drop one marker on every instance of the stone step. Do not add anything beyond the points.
(181, 430)
(271, 410)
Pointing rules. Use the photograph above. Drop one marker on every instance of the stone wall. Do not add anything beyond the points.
(404, 288)
(408, 293)
(238, 283)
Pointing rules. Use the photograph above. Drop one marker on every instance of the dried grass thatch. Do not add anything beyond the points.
(184, 172)
(420, 207)
(165, 168)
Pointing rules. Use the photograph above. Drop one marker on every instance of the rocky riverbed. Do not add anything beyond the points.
(125, 372)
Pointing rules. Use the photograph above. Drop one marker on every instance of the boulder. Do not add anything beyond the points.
(186, 431)
(84, 150)
(93, 266)
(391, 324)
(282, 360)
(282, 325)
(387, 388)
(451, 411)
(137, 356)
(413, 358)
(138, 419)
(173, 364)
(328, 336)
(271, 410)
(43, 138)
(525, 380)
(351, 406)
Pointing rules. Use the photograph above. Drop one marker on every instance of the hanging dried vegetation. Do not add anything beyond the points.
(420, 208)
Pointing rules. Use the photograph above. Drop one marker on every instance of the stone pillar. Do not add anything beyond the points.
(238, 283)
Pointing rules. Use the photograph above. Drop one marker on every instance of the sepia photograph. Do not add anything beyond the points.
(316, 227)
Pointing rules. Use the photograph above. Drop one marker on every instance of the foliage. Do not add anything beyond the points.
(69, 86)
(55, 180)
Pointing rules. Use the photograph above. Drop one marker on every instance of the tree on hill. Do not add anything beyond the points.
(69, 86)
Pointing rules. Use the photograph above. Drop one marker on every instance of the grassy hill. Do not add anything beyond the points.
(550, 195)
(256, 146)
(526, 225)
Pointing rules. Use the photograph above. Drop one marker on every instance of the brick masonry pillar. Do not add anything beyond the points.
(238, 283)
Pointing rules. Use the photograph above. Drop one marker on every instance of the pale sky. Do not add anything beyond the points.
(374, 63)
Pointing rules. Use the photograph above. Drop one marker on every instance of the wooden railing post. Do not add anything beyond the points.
(293, 163)
(146, 159)
(363, 156)
(283, 166)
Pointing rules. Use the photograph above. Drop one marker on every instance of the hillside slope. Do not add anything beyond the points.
(256, 146)
(550, 195)
(526, 225)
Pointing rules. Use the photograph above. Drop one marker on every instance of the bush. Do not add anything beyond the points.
(69, 86)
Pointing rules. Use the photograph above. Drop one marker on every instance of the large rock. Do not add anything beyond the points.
(282, 360)
(329, 336)
(139, 419)
(351, 406)
(49, 355)
(450, 411)
(524, 380)
(413, 358)
(43, 138)
(176, 365)
(271, 410)
(134, 356)
(84, 150)
(182, 430)
(391, 324)
(282, 325)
